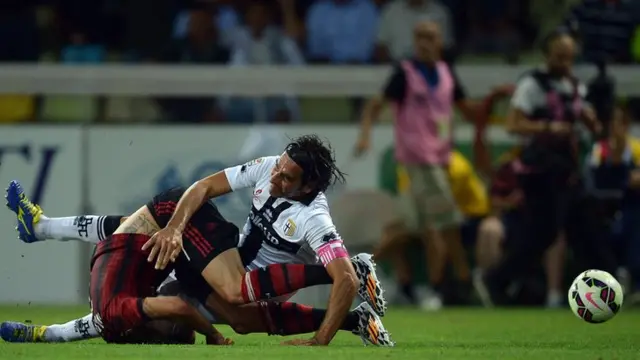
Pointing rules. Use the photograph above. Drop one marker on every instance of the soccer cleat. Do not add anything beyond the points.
(370, 289)
(370, 328)
(27, 212)
(16, 332)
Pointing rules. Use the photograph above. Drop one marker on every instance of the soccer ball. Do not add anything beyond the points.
(595, 296)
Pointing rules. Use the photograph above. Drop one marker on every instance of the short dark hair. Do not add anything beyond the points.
(317, 161)
(556, 34)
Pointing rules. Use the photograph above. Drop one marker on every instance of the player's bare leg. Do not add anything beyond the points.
(554, 261)
(436, 255)
(393, 246)
(228, 277)
(176, 309)
(394, 238)
(491, 235)
(287, 318)
(457, 254)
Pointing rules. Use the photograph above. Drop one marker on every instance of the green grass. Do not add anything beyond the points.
(452, 334)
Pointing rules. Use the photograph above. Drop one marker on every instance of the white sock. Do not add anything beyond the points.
(78, 329)
(88, 228)
(554, 298)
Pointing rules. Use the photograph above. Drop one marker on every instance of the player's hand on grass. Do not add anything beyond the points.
(302, 342)
(165, 246)
(219, 339)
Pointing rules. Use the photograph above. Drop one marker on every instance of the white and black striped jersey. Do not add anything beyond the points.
(281, 230)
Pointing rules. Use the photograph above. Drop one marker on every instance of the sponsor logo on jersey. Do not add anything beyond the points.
(250, 163)
(268, 215)
(332, 236)
(289, 227)
(258, 222)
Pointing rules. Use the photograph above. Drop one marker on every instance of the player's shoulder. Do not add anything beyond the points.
(317, 212)
(399, 65)
(528, 79)
(319, 205)
(263, 164)
(265, 160)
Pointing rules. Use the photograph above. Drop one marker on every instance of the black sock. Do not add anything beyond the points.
(109, 225)
(290, 318)
(281, 279)
(437, 288)
(351, 322)
(408, 290)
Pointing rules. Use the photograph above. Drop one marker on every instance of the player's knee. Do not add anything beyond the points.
(232, 295)
(239, 327)
(491, 227)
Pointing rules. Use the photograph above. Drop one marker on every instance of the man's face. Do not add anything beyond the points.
(562, 52)
(201, 24)
(286, 178)
(257, 16)
(427, 41)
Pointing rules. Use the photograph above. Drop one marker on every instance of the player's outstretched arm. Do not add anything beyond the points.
(196, 195)
(343, 291)
(220, 183)
(166, 244)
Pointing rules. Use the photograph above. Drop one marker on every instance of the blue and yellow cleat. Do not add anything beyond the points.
(16, 332)
(27, 212)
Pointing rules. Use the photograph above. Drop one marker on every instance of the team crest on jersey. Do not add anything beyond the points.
(289, 227)
(250, 163)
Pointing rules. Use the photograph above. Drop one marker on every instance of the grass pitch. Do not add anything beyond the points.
(450, 334)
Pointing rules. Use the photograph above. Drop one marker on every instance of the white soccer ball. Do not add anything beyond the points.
(595, 296)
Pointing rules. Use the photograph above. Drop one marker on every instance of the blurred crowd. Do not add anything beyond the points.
(287, 32)
(567, 191)
(601, 230)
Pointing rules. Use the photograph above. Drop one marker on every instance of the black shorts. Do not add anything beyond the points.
(207, 235)
(513, 228)
(469, 230)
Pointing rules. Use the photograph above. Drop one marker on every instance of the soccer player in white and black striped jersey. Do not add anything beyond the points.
(270, 243)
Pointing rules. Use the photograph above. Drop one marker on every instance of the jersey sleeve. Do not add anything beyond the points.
(526, 89)
(395, 88)
(248, 174)
(459, 92)
(323, 238)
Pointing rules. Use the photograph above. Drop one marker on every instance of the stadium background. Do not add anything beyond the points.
(86, 128)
